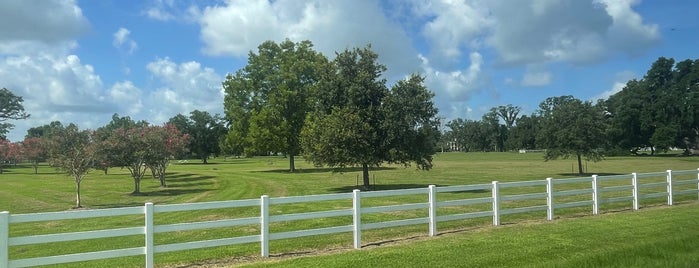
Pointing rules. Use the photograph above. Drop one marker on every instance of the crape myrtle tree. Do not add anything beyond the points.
(165, 143)
(35, 150)
(11, 108)
(9, 152)
(72, 151)
(357, 121)
(267, 102)
(129, 148)
(105, 158)
(571, 127)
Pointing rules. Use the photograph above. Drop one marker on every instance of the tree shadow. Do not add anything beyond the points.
(325, 170)
(171, 192)
(590, 174)
(117, 205)
(379, 187)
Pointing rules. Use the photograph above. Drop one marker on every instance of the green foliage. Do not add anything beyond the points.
(11, 108)
(571, 127)
(359, 122)
(204, 130)
(659, 111)
(267, 102)
(73, 152)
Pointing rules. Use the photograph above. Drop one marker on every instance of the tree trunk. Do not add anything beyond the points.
(77, 193)
(204, 160)
(136, 186)
(365, 176)
(580, 169)
(36, 167)
(292, 167)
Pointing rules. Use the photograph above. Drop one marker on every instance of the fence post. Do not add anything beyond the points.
(549, 199)
(433, 209)
(357, 218)
(669, 187)
(264, 225)
(496, 203)
(4, 239)
(634, 182)
(148, 212)
(595, 196)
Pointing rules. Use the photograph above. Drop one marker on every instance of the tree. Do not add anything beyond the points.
(411, 123)
(204, 130)
(45, 131)
(357, 121)
(267, 101)
(571, 127)
(35, 150)
(523, 134)
(659, 111)
(72, 151)
(11, 108)
(105, 158)
(8, 153)
(165, 143)
(128, 148)
(508, 113)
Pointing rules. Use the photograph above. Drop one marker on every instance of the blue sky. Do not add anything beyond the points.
(82, 61)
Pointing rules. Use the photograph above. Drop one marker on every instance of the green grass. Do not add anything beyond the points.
(21, 191)
(657, 237)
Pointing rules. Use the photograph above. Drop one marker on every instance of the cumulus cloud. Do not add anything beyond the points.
(455, 26)
(454, 88)
(35, 26)
(620, 80)
(185, 87)
(526, 32)
(536, 79)
(238, 27)
(122, 40)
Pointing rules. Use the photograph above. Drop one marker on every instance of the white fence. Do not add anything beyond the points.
(505, 198)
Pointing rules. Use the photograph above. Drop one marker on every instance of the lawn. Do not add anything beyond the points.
(21, 191)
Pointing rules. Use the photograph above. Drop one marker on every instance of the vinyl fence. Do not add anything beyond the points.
(442, 204)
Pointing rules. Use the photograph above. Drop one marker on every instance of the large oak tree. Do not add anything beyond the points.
(266, 102)
(358, 121)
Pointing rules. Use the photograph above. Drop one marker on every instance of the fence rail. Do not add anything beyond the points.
(502, 204)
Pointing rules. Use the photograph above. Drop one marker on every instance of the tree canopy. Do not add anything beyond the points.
(267, 101)
(358, 121)
(11, 108)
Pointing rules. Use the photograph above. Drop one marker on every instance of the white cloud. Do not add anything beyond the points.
(453, 88)
(34, 26)
(127, 96)
(576, 31)
(620, 81)
(122, 40)
(536, 79)
(455, 25)
(185, 87)
(238, 27)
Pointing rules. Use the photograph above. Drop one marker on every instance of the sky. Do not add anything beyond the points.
(82, 61)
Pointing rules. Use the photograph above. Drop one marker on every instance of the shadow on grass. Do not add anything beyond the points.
(379, 187)
(324, 170)
(170, 191)
(118, 205)
(590, 174)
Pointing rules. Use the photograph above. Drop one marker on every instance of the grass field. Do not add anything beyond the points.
(21, 191)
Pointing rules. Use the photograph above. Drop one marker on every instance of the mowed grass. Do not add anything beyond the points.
(657, 237)
(21, 191)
